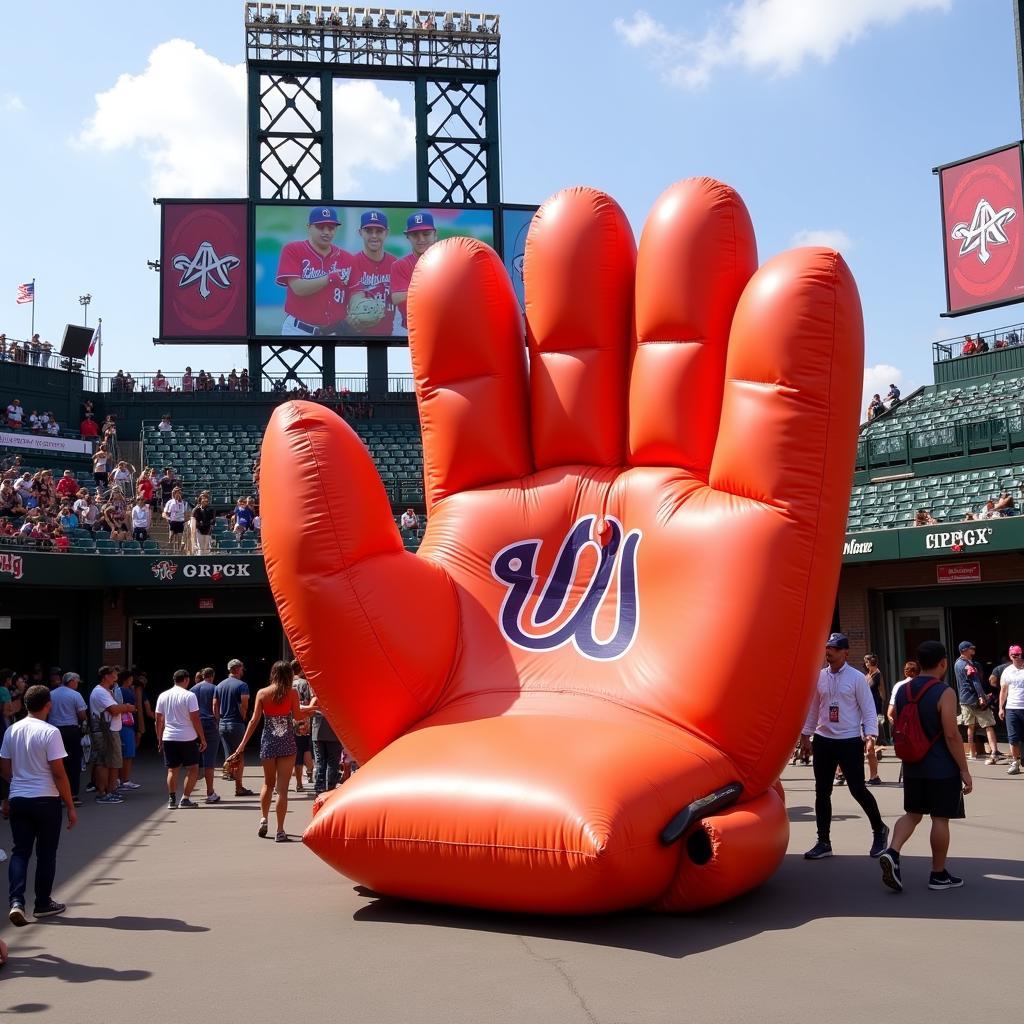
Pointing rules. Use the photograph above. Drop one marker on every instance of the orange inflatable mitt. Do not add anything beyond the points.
(580, 693)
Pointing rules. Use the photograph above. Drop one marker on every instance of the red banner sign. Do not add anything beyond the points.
(982, 228)
(958, 572)
(204, 271)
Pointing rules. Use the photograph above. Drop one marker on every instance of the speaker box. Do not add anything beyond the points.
(76, 341)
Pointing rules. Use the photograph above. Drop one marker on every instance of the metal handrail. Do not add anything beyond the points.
(953, 348)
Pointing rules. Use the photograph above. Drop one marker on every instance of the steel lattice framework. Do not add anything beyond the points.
(296, 52)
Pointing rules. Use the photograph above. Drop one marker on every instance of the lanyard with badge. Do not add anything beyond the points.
(833, 696)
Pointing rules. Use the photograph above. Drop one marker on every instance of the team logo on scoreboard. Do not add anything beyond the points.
(516, 567)
(11, 565)
(205, 266)
(986, 228)
(164, 570)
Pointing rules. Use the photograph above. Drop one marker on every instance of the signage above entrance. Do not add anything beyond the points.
(975, 538)
(958, 572)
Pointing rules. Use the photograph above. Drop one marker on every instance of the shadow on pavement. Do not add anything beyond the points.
(799, 893)
(130, 924)
(46, 965)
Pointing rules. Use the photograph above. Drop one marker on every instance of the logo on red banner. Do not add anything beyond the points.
(11, 565)
(983, 218)
(204, 271)
(958, 572)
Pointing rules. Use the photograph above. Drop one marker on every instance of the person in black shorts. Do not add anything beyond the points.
(179, 737)
(935, 785)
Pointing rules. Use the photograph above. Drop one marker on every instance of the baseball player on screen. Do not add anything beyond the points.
(420, 231)
(315, 274)
(370, 309)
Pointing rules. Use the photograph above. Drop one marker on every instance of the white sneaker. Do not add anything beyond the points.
(129, 785)
(1014, 768)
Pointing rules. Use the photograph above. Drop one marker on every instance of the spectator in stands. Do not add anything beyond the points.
(242, 518)
(88, 428)
(142, 518)
(3, 348)
(988, 510)
(257, 522)
(1005, 505)
(410, 525)
(165, 423)
(100, 469)
(115, 516)
(969, 346)
(981, 345)
(160, 382)
(924, 518)
(256, 476)
(222, 384)
(67, 486)
(893, 397)
(35, 348)
(167, 484)
(47, 351)
(147, 487)
(186, 380)
(10, 503)
(35, 424)
(44, 488)
(1013, 339)
(123, 476)
(68, 518)
(109, 431)
(875, 407)
(87, 510)
(1000, 343)
(23, 488)
(15, 414)
(60, 540)
(174, 513)
(118, 383)
(232, 380)
(243, 380)
(203, 516)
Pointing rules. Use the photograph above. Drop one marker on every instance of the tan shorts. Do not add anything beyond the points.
(977, 716)
(106, 749)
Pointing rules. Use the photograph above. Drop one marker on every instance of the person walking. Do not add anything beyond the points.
(278, 704)
(303, 740)
(327, 754)
(206, 696)
(231, 708)
(67, 715)
(32, 761)
(974, 702)
(842, 720)
(1011, 705)
(179, 736)
(937, 783)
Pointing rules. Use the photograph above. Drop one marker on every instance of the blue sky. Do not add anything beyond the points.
(826, 115)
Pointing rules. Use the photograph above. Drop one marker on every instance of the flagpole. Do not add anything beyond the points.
(33, 308)
(99, 357)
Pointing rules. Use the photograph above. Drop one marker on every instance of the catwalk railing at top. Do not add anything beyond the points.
(993, 341)
(371, 36)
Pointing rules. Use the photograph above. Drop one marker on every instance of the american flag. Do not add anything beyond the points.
(26, 293)
(95, 341)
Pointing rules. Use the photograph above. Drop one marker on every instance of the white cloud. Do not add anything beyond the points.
(186, 115)
(877, 379)
(11, 102)
(831, 238)
(770, 35)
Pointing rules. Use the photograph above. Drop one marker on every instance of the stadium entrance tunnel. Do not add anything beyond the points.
(162, 644)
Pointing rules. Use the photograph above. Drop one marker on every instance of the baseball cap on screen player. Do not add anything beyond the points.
(323, 215)
(419, 222)
(838, 641)
(373, 219)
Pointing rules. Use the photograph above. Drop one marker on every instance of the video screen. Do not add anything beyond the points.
(515, 225)
(343, 271)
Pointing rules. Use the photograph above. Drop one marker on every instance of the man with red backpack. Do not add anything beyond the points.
(935, 773)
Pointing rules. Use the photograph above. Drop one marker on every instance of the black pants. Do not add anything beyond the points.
(72, 737)
(848, 755)
(35, 821)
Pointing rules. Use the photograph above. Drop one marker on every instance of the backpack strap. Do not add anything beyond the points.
(933, 681)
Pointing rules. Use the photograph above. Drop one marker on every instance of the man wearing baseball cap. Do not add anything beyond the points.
(371, 310)
(975, 709)
(1011, 704)
(315, 275)
(67, 713)
(422, 234)
(841, 719)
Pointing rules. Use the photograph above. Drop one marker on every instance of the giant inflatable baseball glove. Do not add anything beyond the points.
(578, 696)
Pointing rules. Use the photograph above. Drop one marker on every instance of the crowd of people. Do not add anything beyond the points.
(54, 737)
(34, 351)
(999, 507)
(977, 345)
(202, 381)
(877, 406)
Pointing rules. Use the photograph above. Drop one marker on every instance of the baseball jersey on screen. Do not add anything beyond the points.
(300, 259)
(401, 277)
(373, 280)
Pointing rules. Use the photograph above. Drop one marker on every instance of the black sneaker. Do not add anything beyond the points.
(50, 909)
(891, 871)
(262, 832)
(876, 781)
(90, 788)
(76, 801)
(879, 842)
(17, 914)
(819, 851)
(840, 780)
(172, 803)
(939, 882)
(186, 802)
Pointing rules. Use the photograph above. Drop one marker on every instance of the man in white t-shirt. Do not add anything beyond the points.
(105, 725)
(142, 517)
(15, 414)
(1011, 705)
(179, 736)
(32, 760)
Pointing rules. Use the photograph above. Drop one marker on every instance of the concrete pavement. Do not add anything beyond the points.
(174, 915)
